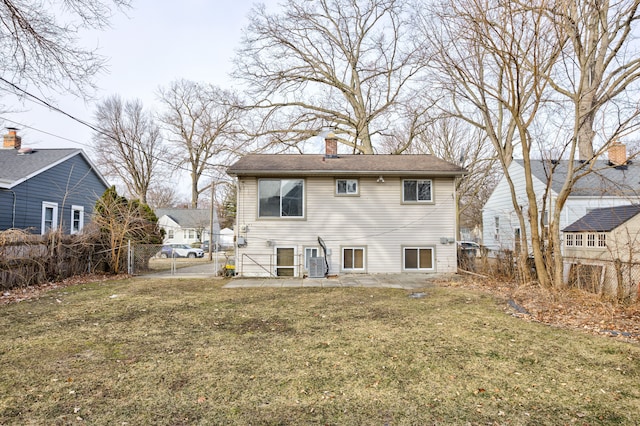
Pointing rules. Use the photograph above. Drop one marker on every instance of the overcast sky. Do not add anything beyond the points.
(158, 42)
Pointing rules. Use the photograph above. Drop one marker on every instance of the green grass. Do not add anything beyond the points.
(189, 352)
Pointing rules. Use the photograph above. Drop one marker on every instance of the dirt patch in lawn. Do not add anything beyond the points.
(568, 308)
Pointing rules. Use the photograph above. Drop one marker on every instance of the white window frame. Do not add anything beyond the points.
(419, 248)
(54, 216)
(170, 234)
(75, 209)
(281, 216)
(579, 240)
(591, 240)
(354, 190)
(417, 200)
(308, 255)
(568, 240)
(354, 248)
(602, 240)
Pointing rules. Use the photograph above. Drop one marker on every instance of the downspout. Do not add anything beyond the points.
(236, 231)
(13, 212)
(326, 262)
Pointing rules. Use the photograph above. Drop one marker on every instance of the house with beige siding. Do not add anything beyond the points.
(602, 251)
(320, 215)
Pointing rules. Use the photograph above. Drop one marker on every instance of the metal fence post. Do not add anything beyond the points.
(129, 258)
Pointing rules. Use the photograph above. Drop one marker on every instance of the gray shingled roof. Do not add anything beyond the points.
(604, 220)
(605, 179)
(16, 168)
(187, 218)
(363, 165)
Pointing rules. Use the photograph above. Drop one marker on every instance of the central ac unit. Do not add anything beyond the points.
(317, 267)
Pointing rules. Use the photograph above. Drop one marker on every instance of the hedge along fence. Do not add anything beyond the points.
(27, 259)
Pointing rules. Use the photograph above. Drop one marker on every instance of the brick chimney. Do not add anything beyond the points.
(617, 153)
(331, 145)
(11, 139)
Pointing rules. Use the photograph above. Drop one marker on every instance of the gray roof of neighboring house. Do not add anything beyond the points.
(604, 220)
(352, 165)
(188, 218)
(604, 179)
(17, 167)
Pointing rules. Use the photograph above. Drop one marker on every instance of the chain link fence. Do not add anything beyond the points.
(612, 279)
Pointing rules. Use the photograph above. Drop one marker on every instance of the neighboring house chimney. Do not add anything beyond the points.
(11, 139)
(331, 144)
(617, 153)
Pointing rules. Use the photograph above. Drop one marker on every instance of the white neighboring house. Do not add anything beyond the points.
(226, 238)
(299, 213)
(187, 226)
(612, 183)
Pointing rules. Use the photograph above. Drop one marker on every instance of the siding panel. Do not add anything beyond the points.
(376, 220)
(72, 182)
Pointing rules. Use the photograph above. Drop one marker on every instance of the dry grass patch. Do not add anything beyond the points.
(189, 352)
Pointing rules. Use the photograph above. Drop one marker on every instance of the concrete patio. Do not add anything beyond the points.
(208, 270)
(402, 281)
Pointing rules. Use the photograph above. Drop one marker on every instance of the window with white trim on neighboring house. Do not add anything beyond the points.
(568, 240)
(77, 219)
(49, 217)
(602, 240)
(578, 240)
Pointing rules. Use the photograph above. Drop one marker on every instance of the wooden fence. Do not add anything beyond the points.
(27, 259)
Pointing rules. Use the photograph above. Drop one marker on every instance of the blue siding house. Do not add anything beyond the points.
(44, 189)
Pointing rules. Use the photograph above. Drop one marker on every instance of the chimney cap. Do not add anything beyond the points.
(331, 136)
(15, 129)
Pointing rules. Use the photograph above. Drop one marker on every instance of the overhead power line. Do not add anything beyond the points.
(36, 99)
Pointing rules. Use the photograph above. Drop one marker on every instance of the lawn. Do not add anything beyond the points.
(139, 351)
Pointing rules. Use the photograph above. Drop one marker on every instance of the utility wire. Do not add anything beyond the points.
(37, 99)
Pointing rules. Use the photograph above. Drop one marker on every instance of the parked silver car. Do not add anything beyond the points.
(180, 250)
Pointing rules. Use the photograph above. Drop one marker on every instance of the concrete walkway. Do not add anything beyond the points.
(408, 281)
(403, 281)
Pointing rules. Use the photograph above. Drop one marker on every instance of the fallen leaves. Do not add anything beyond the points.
(16, 295)
(569, 308)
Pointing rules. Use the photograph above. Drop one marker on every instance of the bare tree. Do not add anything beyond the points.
(40, 43)
(162, 196)
(201, 121)
(600, 64)
(129, 145)
(492, 61)
(458, 142)
(506, 63)
(349, 65)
